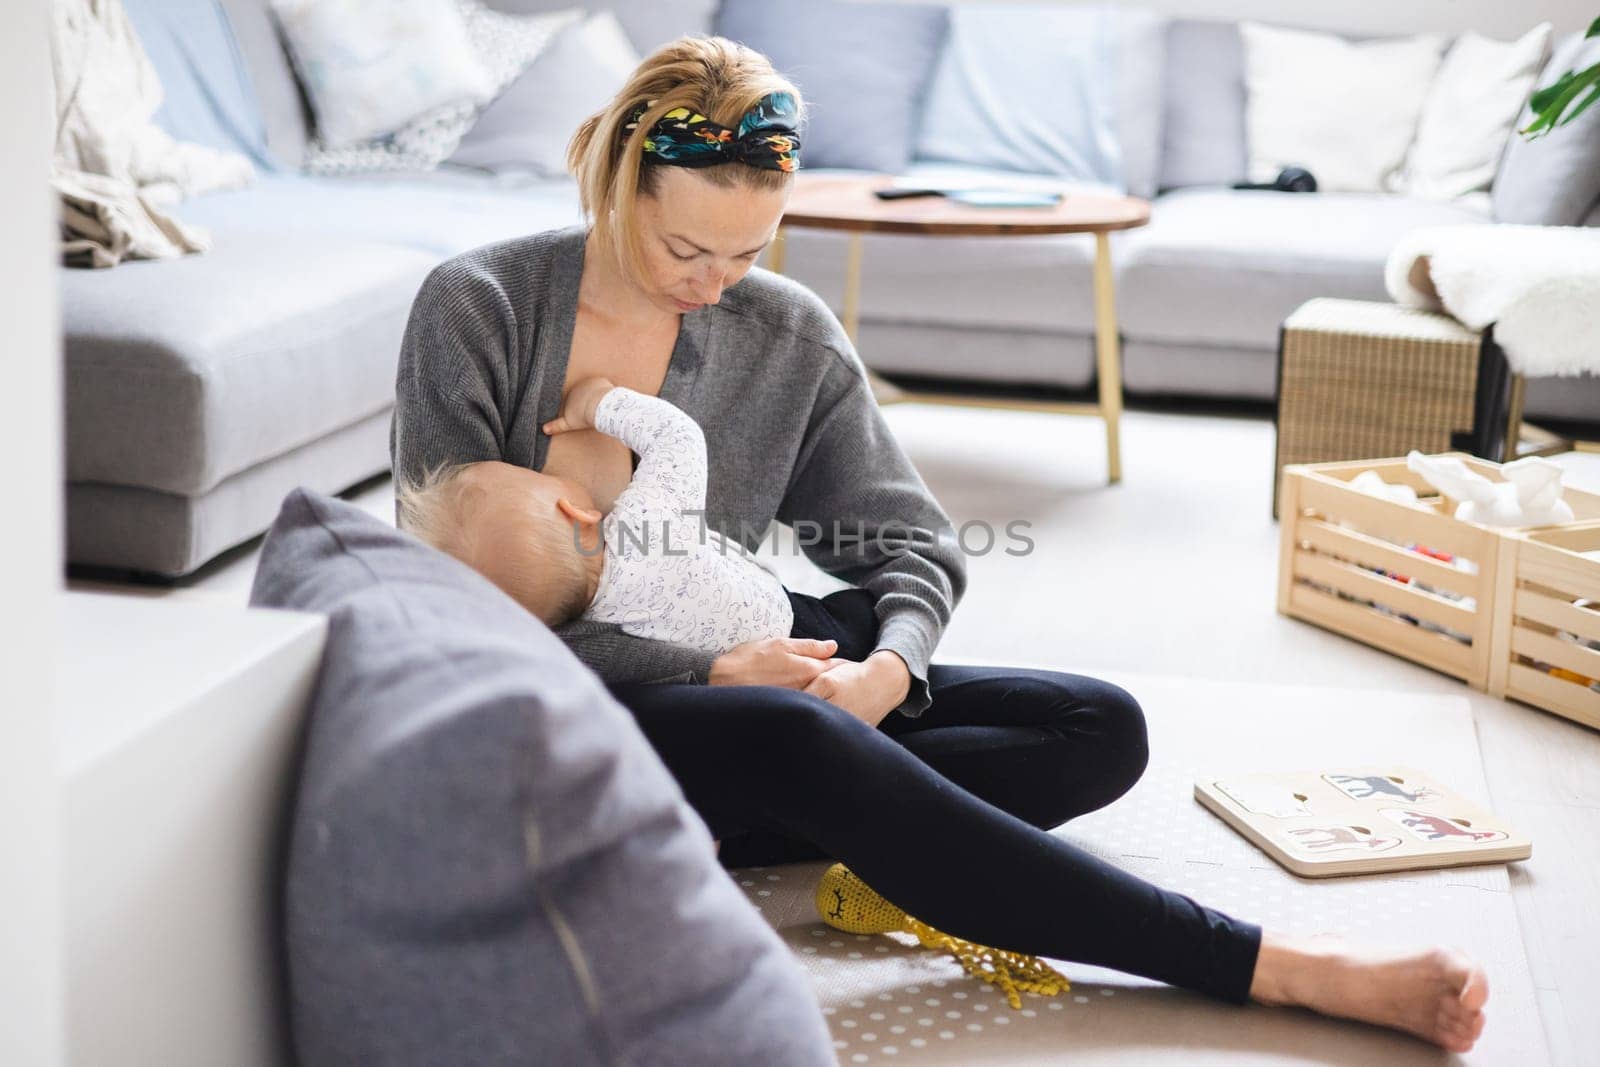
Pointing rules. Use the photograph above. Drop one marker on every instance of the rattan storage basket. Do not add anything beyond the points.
(1358, 378)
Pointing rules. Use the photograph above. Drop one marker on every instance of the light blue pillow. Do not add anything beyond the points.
(207, 97)
(1070, 92)
(862, 69)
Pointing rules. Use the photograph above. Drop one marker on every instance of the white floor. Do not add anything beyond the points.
(1173, 572)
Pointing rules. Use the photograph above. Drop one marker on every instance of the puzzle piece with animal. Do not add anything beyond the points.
(1358, 820)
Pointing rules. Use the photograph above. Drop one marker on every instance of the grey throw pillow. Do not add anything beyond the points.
(1203, 129)
(530, 125)
(862, 68)
(1555, 180)
(488, 863)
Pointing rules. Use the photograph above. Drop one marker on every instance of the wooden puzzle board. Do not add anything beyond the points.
(888, 1001)
(1359, 820)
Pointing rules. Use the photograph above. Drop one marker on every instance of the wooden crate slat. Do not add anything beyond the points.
(1371, 552)
(1558, 614)
(1556, 652)
(1390, 635)
(1563, 571)
(1394, 522)
(1386, 591)
(1577, 538)
(1565, 698)
(1585, 506)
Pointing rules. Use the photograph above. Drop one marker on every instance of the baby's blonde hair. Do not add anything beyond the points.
(443, 509)
(719, 78)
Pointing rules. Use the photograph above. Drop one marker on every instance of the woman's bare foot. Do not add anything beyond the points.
(1435, 994)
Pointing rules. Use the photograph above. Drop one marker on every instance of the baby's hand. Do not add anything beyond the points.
(578, 409)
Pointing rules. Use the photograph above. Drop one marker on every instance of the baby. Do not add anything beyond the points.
(651, 566)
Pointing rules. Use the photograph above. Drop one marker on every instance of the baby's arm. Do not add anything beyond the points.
(671, 477)
(671, 448)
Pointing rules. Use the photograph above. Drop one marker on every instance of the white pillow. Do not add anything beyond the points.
(1470, 112)
(1345, 111)
(370, 66)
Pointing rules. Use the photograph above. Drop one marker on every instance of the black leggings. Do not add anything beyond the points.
(946, 814)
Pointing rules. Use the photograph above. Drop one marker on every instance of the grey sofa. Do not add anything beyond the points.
(200, 391)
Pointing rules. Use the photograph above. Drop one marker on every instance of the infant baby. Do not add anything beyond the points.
(652, 566)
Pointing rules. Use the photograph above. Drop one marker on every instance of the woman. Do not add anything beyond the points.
(935, 784)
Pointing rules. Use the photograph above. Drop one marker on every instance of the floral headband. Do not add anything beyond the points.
(765, 137)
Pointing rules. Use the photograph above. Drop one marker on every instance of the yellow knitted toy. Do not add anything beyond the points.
(847, 903)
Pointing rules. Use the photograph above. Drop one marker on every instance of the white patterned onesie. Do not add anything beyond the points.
(667, 575)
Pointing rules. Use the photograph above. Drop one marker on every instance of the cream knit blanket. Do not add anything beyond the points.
(112, 164)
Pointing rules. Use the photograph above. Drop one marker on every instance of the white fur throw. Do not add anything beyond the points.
(1539, 286)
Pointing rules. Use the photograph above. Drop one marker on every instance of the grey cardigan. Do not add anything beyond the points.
(792, 433)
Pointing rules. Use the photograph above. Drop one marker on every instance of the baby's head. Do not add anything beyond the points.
(514, 526)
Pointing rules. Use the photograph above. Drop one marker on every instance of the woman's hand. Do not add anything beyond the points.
(792, 662)
(869, 690)
(579, 407)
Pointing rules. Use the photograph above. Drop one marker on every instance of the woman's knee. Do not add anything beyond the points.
(1108, 718)
(1128, 750)
(809, 724)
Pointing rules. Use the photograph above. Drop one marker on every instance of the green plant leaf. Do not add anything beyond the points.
(1571, 86)
(1594, 29)
(1594, 95)
(1546, 96)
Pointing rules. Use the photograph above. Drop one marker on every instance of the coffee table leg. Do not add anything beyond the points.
(1109, 355)
(775, 253)
(852, 290)
(882, 391)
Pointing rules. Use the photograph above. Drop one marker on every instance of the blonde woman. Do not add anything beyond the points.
(936, 784)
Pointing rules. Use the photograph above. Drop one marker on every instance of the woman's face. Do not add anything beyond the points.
(697, 238)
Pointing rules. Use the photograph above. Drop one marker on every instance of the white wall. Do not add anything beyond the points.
(1495, 18)
(30, 539)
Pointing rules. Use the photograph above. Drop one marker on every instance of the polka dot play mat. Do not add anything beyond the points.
(888, 1000)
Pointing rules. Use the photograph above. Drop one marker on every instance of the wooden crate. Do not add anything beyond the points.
(1409, 579)
(1542, 626)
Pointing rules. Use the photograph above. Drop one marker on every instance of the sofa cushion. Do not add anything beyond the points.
(207, 96)
(1554, 180)
(1098, 68)
(266, 61)
(529, 126)
(488, 863)
(147, 531)
(862, 68)
(439, 212)
(1202, 132)
(1353, 139)
(1479, 93)
(182, 372)
(1219, 267)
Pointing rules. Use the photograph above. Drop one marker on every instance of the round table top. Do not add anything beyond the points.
(845, 202)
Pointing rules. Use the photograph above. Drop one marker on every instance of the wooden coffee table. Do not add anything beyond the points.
(833, 202)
